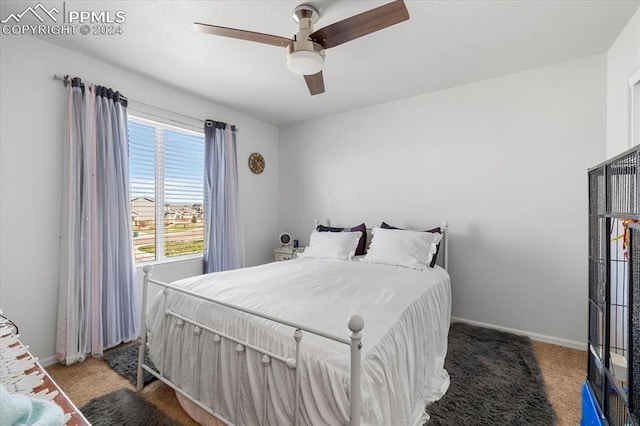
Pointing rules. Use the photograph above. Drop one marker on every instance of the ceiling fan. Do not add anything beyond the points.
(306, 50)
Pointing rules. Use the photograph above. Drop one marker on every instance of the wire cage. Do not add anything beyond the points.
(613, 369)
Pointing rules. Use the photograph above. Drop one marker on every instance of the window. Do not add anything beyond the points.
(166, 169)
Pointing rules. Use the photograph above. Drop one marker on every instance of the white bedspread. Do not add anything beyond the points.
(406, 315)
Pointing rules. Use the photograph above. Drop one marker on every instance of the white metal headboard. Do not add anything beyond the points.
(444, 245)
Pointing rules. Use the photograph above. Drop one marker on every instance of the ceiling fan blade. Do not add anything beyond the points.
(361, 25)
(315, 83)
(242, 34)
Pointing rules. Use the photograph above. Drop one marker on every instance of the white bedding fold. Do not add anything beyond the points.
(406, 314)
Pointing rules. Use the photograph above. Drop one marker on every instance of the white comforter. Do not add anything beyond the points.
(406, 315)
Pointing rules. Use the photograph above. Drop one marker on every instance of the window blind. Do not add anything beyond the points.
(166, 182)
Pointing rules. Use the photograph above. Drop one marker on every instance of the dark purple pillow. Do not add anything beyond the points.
(362, 244)
(437, 230)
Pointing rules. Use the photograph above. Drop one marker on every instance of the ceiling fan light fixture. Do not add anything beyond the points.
(305, 62)
(306, 49)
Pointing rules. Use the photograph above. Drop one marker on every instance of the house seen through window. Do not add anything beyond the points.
(166, 167)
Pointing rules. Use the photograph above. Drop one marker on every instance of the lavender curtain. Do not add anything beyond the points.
(98, 293)
(223, 239)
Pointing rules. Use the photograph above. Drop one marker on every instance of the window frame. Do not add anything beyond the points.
(159, 181)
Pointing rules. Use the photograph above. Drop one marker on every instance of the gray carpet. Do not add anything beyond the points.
(124, 407)
(124, 360)
(495, 380)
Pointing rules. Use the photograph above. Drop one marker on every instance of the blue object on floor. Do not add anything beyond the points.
(591, 413)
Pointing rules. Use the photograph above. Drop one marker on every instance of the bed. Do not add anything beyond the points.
(270, 345)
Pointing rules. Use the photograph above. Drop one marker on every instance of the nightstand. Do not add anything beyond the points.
(286, 253)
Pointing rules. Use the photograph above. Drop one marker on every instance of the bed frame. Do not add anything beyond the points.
(355, 324)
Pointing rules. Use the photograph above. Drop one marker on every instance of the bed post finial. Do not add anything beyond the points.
(315, 224)
(356, 324)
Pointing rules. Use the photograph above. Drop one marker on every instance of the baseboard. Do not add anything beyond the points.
(50, 360)
(534, 336)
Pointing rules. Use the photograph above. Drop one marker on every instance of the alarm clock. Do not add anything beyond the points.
(285, 240)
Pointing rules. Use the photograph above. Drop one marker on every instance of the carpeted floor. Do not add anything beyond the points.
(563, 370)
(120, 360)
(495, 380)
(124, 407)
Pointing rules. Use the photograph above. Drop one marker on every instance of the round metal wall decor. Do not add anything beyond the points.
(256, 163)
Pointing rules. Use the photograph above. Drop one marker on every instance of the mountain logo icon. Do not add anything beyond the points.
(38, 11)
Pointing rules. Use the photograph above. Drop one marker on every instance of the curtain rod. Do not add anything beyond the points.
(66, 80)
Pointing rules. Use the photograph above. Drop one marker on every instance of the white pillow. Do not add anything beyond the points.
(410, 249)
(332, 245)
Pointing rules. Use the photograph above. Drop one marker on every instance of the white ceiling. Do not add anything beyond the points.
(444, 44)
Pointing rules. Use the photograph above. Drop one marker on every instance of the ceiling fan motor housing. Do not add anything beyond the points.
(307, 15)
(305, 56)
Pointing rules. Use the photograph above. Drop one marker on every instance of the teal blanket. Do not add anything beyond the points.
(19, 410)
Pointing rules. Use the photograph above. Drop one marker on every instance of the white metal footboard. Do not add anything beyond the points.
(355, 324)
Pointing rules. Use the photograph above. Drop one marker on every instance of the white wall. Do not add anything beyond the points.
(623, 59)
(31, 134)
(503, 160)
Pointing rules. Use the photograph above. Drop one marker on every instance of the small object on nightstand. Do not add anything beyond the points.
(287, 253)
(285, 240)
